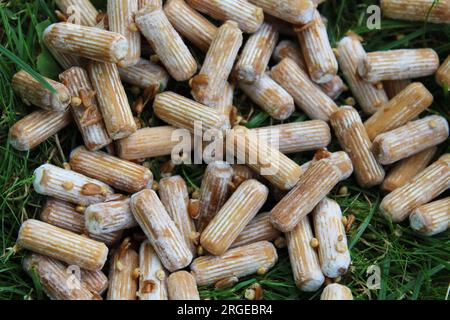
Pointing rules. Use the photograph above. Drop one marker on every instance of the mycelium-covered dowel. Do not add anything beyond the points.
(121, 20)
(350, 54)
(95, 281)
(432, 218)
(123, 273)
(88, 42)
(333, 251)
(304, 260)
(412, 138)
(258, 229)
(394, 87)
(209, 84)
(65, 215)
(152, 278)
(120, 174)
(232, 218)
(354, 140)
(255, 55)
(423, 188)
(293, 11)
(405, 106)
(160, 230)
(145, 75)
(69, 186)
(215, 190)
(33, 92)
(443, 74)
(190, 24)
(417, 10)
(237, 262)
(406, 169)
(85, 108)
(175, 198)
(166, 42)
(289, 49)
(398, 64)
(109, 216)
(270, 96)
(184, 113)
(43, 238)
(182, 286)
(317, 52)
(35, 128)
(112, 99)
(307, 95)
(313, 186)
(84, 9)
(55, 279)
(336, 291)
(248, 16)
(297, 136)
(148, 143)
(266, 160)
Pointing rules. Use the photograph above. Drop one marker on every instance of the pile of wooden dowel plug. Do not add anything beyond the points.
(103, 209)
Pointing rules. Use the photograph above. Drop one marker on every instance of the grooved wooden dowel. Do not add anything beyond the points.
(404, 170)
(307, 95)
(237, 262)
(232, 218)
(350, 54)
(160, 230)
(412, 138)
(121, 20)
(55, 279)
(87, 114)
(432, 218)
(189, 23)
(35, 128)
(208, 86)
(166, 42)
(88, 42)
(353, 138)
(398, 64)
(33, 92)
(293, 11)
(120, 174)
(112, 99)
(319, 56)
(417, 10)
(405, 106)
(423, 188)
(248, 16)
(182, 286)
(123, 274)
(304, 260)
(153, 276)
(69, 186)
(43, 238)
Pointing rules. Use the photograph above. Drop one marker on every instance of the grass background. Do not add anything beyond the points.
(412, 266)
